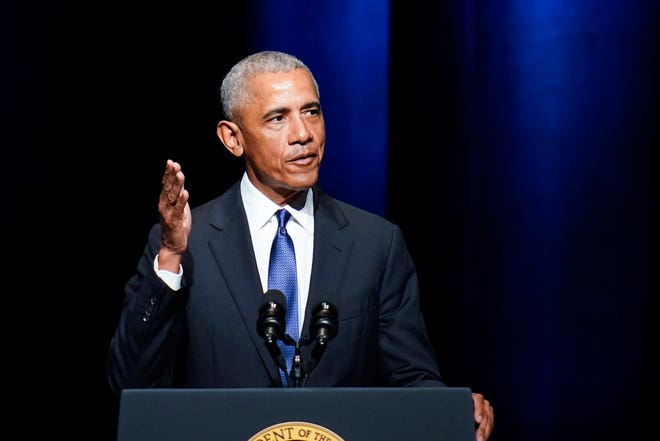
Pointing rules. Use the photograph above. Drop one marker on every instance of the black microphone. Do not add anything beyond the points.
(271, 322)
(323, 328)
(323, 325)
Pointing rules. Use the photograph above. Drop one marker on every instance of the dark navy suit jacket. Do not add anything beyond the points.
(205, 335)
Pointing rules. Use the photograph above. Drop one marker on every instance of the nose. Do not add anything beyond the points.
(300, 132)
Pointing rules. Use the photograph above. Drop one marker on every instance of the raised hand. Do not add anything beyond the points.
(175, 218)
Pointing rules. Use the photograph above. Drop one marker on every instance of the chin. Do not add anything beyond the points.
(303, 182)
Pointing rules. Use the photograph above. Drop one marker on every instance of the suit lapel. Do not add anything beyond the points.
(331, 253)
(233, 251)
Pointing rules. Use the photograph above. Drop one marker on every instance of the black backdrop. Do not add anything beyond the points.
(550, 315)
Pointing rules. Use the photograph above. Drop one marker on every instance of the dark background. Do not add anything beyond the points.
(521, 164)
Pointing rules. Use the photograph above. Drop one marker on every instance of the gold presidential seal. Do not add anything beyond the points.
(296, 431)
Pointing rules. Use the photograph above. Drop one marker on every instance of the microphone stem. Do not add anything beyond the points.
(297, 372)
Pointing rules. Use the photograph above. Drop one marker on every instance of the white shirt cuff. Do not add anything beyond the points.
(173, 280)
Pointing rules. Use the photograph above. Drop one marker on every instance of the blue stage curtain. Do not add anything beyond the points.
(538, 152)
(346, 44)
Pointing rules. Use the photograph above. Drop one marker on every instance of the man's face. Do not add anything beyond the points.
(282, 133)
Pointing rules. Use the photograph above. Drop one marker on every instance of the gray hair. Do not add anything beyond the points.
(234, 91)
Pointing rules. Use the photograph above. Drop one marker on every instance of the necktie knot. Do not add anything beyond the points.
(283, 217)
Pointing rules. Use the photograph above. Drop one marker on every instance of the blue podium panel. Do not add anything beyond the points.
(296, 414)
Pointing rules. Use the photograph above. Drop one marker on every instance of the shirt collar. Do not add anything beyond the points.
(259, 209)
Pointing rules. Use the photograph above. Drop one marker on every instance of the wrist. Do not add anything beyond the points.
(169, 260)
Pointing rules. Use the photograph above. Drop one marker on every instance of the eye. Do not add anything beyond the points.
(312, 111)
(276, 118)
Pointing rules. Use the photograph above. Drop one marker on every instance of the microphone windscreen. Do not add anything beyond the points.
(324, 322)
(276, 296)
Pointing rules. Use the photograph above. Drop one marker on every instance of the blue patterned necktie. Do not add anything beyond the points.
(282, 276)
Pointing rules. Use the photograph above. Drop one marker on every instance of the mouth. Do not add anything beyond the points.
(303, 159)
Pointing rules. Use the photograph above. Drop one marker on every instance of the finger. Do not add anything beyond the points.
(481, 435)
(171, 170)
(478, 404)
(179, 201)
(172, 182)
(488, 419)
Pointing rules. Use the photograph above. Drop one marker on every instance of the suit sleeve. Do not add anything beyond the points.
(149, 336)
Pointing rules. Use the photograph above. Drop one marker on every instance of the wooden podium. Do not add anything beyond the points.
(297, 414)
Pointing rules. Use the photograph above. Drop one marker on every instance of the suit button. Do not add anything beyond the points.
(147, 315)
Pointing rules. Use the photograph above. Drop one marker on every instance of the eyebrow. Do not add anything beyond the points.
(285, 110)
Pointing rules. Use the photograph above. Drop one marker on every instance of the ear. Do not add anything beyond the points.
(228, 133)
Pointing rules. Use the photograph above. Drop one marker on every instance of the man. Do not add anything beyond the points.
(190, 311)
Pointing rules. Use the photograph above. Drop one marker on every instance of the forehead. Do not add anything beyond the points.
(283, 86)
